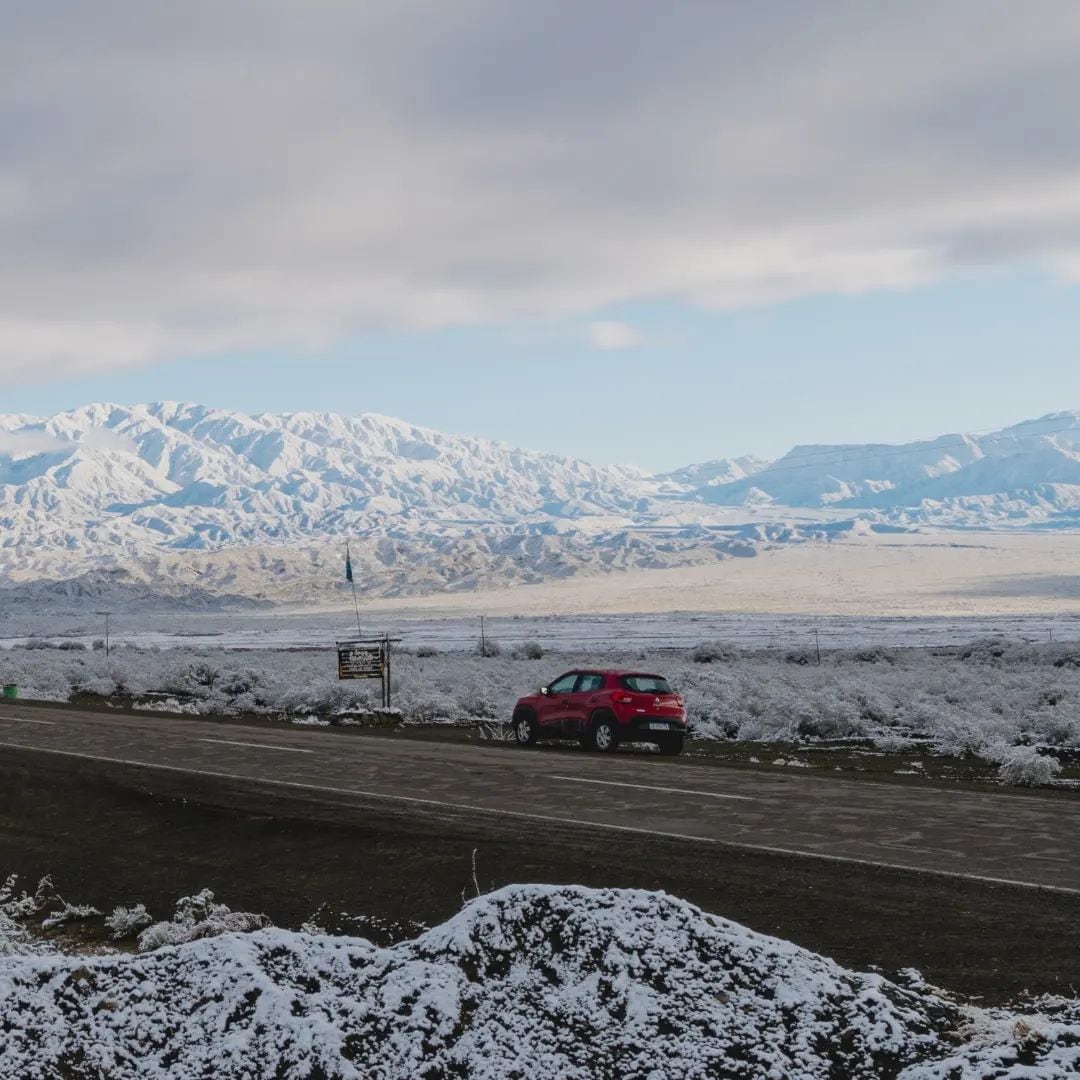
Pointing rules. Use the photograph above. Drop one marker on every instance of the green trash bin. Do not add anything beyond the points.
(11, 690)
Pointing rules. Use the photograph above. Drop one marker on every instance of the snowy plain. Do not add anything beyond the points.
(660, 630)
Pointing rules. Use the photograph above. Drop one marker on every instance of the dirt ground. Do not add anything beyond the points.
(113, 834)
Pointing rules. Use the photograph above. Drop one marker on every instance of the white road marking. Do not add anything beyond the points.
(575, 822)
(653, 787)
(27, 720)
(259, 745)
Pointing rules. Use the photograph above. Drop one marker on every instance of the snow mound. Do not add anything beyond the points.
(1002, 1045)
(530, 981)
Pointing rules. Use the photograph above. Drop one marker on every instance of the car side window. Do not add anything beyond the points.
(564, 684)
(588, 683)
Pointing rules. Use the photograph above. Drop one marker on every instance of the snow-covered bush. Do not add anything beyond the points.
(488, 647)
(68, 913)
(872, 654)
(199, 917)
(15, 907)
(240, 682)
(985, 650)
(125, 921)
(424, 651)
(204, 674)
(1025, 765)
(709, 652)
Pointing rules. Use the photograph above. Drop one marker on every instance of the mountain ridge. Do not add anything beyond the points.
(108, 486)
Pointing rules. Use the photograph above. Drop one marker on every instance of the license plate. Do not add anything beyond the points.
(658, 727)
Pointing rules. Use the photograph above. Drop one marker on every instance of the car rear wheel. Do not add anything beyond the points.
(525, 728)
(603, 734)
(671, 745)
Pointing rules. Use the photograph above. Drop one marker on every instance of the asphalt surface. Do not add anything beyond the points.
(1018, 838)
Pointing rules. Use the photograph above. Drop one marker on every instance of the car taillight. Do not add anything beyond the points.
(679, 700)
(624, 699)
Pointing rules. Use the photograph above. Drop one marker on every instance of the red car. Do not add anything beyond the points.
(603, 709)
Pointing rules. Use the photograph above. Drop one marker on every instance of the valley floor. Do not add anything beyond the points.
(931, 574)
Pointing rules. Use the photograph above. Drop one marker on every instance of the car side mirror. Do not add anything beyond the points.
(544, 690)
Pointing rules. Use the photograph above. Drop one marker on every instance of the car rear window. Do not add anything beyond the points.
(645, 684)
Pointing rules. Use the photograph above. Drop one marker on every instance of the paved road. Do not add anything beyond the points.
(1013, 837)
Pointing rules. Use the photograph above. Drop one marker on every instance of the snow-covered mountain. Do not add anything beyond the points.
(114, 500)
(714, 473)
(207, 502)
(1026, 474)
(186, 476)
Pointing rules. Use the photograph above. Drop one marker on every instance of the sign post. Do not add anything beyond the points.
(367, 658)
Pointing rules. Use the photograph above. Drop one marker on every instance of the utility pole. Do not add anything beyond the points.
(483, 641)
(106, 614)
(386, 672)
(817, 646)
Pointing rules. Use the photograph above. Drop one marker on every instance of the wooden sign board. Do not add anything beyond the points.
(361, 661)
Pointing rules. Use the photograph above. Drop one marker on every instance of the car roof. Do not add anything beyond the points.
(621, 672)
(617, 672)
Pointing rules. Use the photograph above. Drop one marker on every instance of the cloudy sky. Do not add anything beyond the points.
(628, 230)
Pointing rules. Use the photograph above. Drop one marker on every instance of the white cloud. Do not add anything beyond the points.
(614, 335)
(195, 178)
(17, 443)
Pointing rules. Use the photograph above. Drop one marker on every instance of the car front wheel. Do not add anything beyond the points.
(525, 729)
(603, 735)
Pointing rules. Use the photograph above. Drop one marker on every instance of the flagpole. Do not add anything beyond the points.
(352, 582)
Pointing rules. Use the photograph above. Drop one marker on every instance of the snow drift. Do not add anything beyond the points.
(528, 982)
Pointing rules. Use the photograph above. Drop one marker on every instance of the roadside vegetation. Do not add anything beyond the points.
(1011, 709)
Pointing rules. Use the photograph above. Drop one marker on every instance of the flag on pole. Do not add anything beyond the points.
(348, 565)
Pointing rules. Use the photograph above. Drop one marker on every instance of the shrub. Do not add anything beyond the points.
(14, 908)
(425, 651)
(124, 921)
(1025, 765)
(984, 651)
(488, 647)
(709, 652)
(237, 683)
(874, 654)
(203, 674)
(68, 913)
(199, 917)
